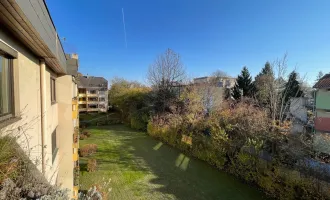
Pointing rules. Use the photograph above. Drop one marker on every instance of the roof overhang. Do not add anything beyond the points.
(31, 23)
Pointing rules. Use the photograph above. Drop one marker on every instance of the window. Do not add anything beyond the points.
(6, 88)
(54, 145)
(52, 90)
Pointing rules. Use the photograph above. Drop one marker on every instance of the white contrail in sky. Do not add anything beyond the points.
(122, 10)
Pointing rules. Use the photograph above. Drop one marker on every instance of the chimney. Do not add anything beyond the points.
(74, 56)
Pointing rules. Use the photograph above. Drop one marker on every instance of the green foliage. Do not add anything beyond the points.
(131, 99)
(264, 82)
(243, 84)
(139, 119)
(292, 87)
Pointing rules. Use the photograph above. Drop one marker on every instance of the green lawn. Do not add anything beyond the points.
(91, 116)
(143, 168)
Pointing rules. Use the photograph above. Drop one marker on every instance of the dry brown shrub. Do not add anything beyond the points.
(91, 165)
(88, 150)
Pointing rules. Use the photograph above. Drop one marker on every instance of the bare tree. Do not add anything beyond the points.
(165, 75)
(167, 70)
(220, 74)
(279, 90)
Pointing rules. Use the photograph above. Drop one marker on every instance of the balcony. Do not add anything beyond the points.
(82, 109)
(92, 94)
(102, 109)
(75, 156)
(92, 109)
(102, 93)
(82, 102)
(76, 176)
(82, 95)
(92, 102)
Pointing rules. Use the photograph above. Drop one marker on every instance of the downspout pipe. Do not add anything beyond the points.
(42, 113)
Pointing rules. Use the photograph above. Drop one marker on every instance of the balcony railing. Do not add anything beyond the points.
(82, 95)
(92, 95)
(82, 109)
(92, 102)
(82, 102)
(93, 109)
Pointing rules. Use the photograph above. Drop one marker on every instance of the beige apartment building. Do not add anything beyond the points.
(38, 96)
(93, 94)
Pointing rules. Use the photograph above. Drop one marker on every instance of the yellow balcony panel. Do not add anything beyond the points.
(75, 145)
(82, 95)
(82, 102)
(75, 156)
(75, 192)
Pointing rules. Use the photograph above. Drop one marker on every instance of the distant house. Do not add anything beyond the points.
(93, 94)
(222, 82)
(213, 89)
(322, 115)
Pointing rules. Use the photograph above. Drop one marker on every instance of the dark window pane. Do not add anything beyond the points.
(53, 90)
(54, 145)
(6, 86)
(54, 141)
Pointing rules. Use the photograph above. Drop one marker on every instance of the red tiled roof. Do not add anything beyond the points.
(324, 82)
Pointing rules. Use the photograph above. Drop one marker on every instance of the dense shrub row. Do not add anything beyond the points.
(232, 139)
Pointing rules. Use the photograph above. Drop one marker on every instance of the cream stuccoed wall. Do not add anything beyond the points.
(29, 101)
(65, 129)
(29, 126)
(51, 123)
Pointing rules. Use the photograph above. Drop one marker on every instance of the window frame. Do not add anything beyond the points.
(9, 54)
(54, 148)
(52, 90)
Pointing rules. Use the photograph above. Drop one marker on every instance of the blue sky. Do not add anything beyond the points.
(209, 35)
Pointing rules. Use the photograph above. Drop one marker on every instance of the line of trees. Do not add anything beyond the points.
(271, 90)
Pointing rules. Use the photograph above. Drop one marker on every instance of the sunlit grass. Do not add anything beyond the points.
(160, 144)
(143, 168)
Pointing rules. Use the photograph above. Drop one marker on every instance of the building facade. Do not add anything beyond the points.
(93, 94)
(322, 115)
(221, 82)
(38, 98)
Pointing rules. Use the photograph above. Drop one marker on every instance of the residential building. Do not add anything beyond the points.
(38, 96)
(213, 89)
(93, 94)
(221, 82)
(322, 115)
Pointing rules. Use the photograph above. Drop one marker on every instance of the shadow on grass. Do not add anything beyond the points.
(175, 173)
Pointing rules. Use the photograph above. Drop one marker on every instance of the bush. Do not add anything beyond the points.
(139, 119)
(91, 165)
(87, 133)
(82, 136)
(88, 150)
